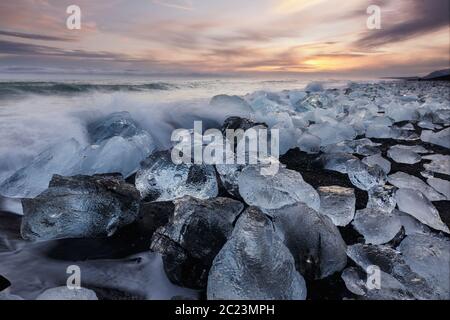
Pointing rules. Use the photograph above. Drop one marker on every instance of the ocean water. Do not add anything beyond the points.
(37, 111)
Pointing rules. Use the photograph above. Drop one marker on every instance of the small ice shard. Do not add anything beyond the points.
(275, 191)
(416, 148)
(332, 133)
(404, 180)
(365, 177)
(391, 262)
(441, 138)
(313, 101)
(429, 256)
(64, 293)
(193, 237)
(31, 180)
(382, 198)
(440, 185)
(379, 131)
(160, 179)
(401, 155)
(313, 239)
(255, 264)
(439, 163)
(80, 207)
(229, 176)
(376, 226)
(337, 161)
(416, 204)
(338, 203)
(378, 159)
(411, 224)
(309, 143)
(116, 124)
(426, 125)
(356, 281)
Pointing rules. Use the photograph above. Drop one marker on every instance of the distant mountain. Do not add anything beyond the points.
(438, 75)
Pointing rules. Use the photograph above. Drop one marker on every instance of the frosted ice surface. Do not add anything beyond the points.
(64, 293)
(439, 163)
(365, 177)
(391, 262)
(339, 162)
(401, 155)
(416, 204)
(382, 198)
(80, 207)
(404, 180)
(116, 124)
(338, 203)
(31, 180)
(314, 87)
(411, 224)
(255, 264)
(356, 281)
(159, 179)
(441, 185)
(332, 133)
(429, 256)
(273, 192)
(117, 155)
(378, 159)
(441, 138)
(376, 226)
(312, 238)
(402, 112)
(416, 148)
(309, 143)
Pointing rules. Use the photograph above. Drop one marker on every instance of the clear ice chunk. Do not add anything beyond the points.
(339, 162)
(401, 155)
(377, 227)
(255, 264)
(417, 204)
(429, 256)
(193, 237)
(80, 207)
(441, 138)
(313, 239)
(440, 185)
(338, 203)
(275, 191)
(404, 180)
(439, 163)
(160, 179)
(365, 177)
(31, 180)
(378, 159)
(382, 198)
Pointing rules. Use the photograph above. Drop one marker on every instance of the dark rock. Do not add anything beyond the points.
(4, 283)
(235, 123)
(80, 207)
(193, 237)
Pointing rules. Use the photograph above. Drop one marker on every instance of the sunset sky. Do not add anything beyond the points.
(223, 37)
